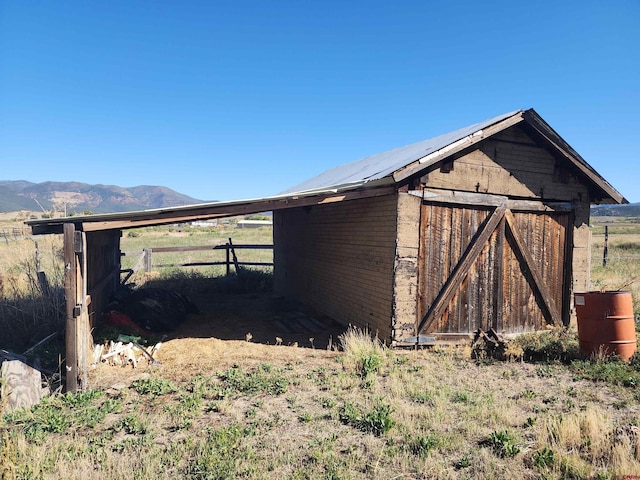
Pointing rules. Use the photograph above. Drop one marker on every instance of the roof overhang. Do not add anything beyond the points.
(205, 211)
(608, 194)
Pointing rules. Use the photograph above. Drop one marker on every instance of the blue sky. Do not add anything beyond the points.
(242, 99)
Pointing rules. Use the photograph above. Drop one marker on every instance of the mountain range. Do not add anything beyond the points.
(626, 210)
(76, 197)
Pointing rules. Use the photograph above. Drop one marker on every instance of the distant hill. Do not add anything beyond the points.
(628, 210)
(81, 197)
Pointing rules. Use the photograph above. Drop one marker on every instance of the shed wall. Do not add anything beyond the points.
(512, 164)
(339, 259)
(103, 269)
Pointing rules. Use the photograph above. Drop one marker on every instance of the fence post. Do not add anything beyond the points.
(605, 254)
(226, 249)
(42, 277)
(148, 265)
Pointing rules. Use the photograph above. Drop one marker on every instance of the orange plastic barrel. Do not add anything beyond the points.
(606, 324)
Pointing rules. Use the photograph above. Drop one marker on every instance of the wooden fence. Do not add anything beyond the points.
(145, 259)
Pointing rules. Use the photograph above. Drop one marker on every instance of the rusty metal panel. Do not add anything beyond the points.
(498, 290)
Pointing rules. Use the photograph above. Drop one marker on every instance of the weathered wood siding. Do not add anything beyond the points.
(498, 290)
(511, 163)
(103, 269)
(514, 164)
(339, 259)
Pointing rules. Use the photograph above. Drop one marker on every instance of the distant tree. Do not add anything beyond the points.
(257, 217)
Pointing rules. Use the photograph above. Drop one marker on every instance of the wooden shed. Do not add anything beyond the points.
(484, 227)
(487, 226)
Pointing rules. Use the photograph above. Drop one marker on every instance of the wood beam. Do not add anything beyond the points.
(213, 211)
(433, 195)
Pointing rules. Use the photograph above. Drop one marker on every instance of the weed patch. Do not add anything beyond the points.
(153, 386)
(502, 443)
(130, 424)
(543, 458)
(215, 456)
(611, 371)
(555, 345)
(265, 379)
(377, 420)
(422, 445)
(363, 354)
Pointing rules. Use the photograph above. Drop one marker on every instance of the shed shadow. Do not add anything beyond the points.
(244, 307)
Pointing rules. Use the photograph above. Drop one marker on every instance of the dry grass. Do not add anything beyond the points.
(28, 310)
(444, 410)
(240, 409)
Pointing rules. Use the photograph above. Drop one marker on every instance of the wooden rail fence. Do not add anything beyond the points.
(145, 259)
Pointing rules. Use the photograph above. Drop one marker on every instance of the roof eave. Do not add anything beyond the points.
(190, 213)
(531, 117)
(561, 146)
(422, 163)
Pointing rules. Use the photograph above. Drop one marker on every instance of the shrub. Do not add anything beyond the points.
(552, 345)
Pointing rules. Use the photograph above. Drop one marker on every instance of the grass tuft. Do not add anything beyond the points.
(363, 354)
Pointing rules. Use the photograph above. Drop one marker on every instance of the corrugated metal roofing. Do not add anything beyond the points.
(377, 167)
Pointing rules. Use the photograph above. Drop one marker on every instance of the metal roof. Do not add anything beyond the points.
(377, 167)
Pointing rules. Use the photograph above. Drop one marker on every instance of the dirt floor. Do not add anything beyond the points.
(252, 327)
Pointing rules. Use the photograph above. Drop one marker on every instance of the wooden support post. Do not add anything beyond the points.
(70, 298)
(148, 265)
(82, 321)
(605, 254)
(42, 277)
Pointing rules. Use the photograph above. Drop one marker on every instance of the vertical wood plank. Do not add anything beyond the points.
(528, 263)
(461, 269)
(82, 322)
(70, 288)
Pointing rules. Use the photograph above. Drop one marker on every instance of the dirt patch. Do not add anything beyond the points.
(231, 329)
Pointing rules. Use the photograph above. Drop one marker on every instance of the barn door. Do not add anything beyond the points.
(490, 267)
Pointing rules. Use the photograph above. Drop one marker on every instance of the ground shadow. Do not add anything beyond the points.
(243, 307)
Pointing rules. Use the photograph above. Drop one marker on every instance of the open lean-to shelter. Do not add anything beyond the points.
(485, 227)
